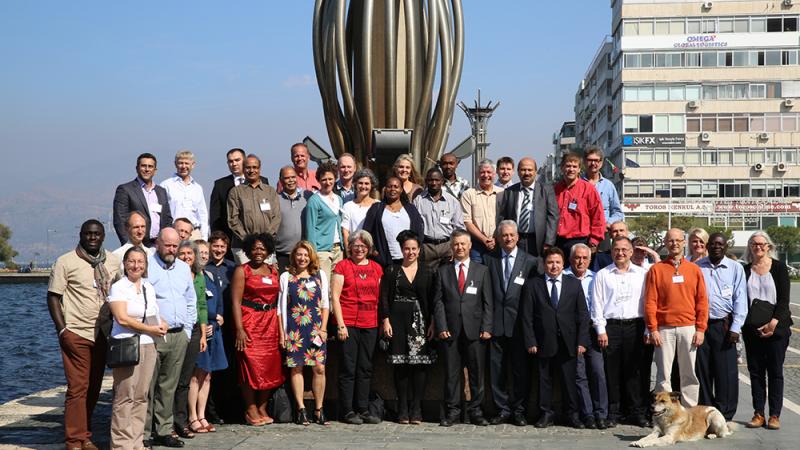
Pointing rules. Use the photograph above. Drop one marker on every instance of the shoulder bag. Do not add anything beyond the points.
(124, 352)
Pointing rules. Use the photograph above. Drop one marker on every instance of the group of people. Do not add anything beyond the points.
(509, 278)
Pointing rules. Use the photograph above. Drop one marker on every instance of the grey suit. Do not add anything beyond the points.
(545, 216)
(128, 198)
(465, 316)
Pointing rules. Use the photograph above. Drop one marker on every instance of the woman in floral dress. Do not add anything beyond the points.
(303, 310)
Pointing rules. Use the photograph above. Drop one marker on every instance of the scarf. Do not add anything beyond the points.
(102, 279)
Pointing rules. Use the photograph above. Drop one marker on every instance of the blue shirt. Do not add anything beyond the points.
(587, 282)
(610, 198)
(175, 294)
(727, 290)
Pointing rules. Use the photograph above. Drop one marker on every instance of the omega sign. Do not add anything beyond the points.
(701, 41)
(654, 140)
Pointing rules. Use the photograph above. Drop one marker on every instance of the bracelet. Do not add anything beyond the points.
(60, 332)
(342, 327)
(323, 331)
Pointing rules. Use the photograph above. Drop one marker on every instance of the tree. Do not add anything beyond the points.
(787, 239)
(651, 228)
(7, 253)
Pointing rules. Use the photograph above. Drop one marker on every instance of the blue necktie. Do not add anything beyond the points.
(507, 274)
(554, 293)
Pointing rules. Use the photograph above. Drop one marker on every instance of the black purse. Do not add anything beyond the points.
(760, 313)
(124, 352)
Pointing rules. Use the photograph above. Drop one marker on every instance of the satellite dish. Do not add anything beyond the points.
(465, 149)
(315, 152)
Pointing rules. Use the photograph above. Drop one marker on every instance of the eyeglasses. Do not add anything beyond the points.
(759, 244)
(674, 241)
(358, 247)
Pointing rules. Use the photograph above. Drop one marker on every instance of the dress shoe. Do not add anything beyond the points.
(589, 423)
(479, 420)
(774, 423)
(640, 421)
(611, 422)
(757, 421)
(167, 441)
(212, 417)
(447, 421)
(352, 418)
(544, 421)
(369, 418)
(500, 418)
(187, 433)
(601, 424)
(89, 445)
(520, 420)
(576, 423)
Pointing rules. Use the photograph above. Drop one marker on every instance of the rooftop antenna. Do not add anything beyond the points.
(479, 120)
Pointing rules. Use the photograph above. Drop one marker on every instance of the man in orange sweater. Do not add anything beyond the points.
(676, 314)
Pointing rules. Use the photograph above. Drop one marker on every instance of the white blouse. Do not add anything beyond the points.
(125, 291)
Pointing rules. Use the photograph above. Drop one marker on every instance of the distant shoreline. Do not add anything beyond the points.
(16, 277)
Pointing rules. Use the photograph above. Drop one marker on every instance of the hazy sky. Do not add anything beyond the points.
(86, 86)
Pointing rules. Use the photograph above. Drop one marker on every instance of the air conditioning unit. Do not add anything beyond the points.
(788, 103)
(758, 167)
(763, 136)
(705, 137)
(788, 2)
(694, 104)
(781, 167)
(680, 169)
(707, 5)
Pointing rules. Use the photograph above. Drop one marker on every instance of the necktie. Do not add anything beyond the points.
(239, 180)
(462, 279)
(524, 211)
(554, 293)
(507, 271)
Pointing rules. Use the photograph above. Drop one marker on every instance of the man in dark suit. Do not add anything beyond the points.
(556, 329)
(218, 210)
(509, 267)
(144, 196)
(463, 320)
(533, 206)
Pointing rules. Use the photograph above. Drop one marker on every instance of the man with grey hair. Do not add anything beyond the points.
(591, 381)
(441, 215)
(253, 207)
(345, 167)
(480, 211)
(509, 267)
(186, 198)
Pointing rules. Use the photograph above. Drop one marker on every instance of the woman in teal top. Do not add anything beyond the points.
(323, 219)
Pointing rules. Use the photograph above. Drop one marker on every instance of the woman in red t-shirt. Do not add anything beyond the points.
(355, 287)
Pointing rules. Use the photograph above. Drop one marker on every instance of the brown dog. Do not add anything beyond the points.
(673, 423)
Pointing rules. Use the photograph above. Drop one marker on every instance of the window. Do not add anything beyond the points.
(662, 27)
(725, 59)
(693, 26)
(661, 60)
(645, 28)
(709, 123)
(631, 124)
(630, 29)
(677, 26)
(692, 123)
(660, 123)
(773, 156)
(726, 25)
(662, 190)
(709, 59)
(789, 57)
(645, 158)
(789, 156)
(790, 24)
(774, 24)
(710, 157)
(710, 92)
(758, 24)
(678, 157)
(676, 93)
(758, 189)
(693, 92)
(756, 122)
(661, 158)
(725, 157)
(772, 122)
(740, 122)
(740, 25)
(709, 189)
(693, 59)
(756, 156)
(692, 157)
(630, 190)
(791, 190)
(725, 123)
(725, 92)
(678, 190)
(789, 123)
(647, 59)
(646, 124)
(694, 189)
(740, 91)
(661, 93)
(740, 157)
(760, 57)
(773, 58)
(741, 58)
(633, 60)
(709, 26)
(645, 93)
(676, 123)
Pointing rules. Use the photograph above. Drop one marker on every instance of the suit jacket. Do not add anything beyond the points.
(218, 209)
(507, 298)
(453, 310)
(545, 211)
(128, 198)
(542, 324)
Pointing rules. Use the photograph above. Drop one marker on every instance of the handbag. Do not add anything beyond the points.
(124, 352)
(760, 313)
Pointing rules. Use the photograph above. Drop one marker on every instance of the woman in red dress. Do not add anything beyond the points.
(254, 298)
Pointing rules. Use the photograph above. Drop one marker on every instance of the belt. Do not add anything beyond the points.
(336, 245)
(433, 241)
(710, 320)
(624, 321)
(175, 329)
(258, 306)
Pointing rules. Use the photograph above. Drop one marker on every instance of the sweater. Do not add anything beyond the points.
(675, 304)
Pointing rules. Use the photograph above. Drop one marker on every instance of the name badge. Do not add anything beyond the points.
(155, 207)
(444, 220)
(622, 298)
(266, 280)
(311, 285)
(209, 293)
(187, 203)
(472, 290)
(727, 292)
(573, 205)
(677, 279)
(265, 206)
(519, 280)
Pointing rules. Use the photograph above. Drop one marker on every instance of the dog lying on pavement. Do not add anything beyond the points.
(673, 423)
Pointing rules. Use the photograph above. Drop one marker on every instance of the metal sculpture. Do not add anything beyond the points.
(379, 59)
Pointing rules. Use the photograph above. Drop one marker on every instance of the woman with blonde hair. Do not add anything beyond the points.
(698, 238)
(405, 169)
(303, 311)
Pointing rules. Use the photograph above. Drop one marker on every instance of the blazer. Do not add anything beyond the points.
(780, 275)
(218, 208)
(542, 325)
(373, 224)
(129, 198)
(545, 211)
(507, 298)
(453, 310)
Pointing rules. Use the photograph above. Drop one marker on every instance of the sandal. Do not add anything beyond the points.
(301, 418)
(207, 425)
(319, 417)
(253, 422)
(200, 429)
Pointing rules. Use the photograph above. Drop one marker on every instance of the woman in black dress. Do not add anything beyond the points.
(406, 309)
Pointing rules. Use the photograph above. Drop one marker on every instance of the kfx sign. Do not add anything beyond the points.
(654, 140)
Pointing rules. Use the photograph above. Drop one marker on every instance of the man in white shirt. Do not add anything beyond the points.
(618, 318)
(186, 197)
(136, 227)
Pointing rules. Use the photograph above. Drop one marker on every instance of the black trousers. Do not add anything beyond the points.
(566, 244)
(460, 352)
(355, 369)
(623, 366)
(562, 364)
(765, 358)
(646, 374)
(409, 383)
(505, 352)
(717, 370)
(181, 406)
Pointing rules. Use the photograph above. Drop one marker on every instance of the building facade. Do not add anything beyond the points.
(704, 119)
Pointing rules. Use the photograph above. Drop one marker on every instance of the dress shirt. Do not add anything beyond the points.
(455, 188)
(440, 217)
(586, 218)
(617, 295)
(480, 208)
(587, 283)
(457, 265)
(520, 199)
(245, 215)
(502, 185)
(727, 290)
(237, 180)
(610, 198)
(188, 201)
(174, 286)
(558, 284)
(511, 257)
(153, 207)
(346, 194)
